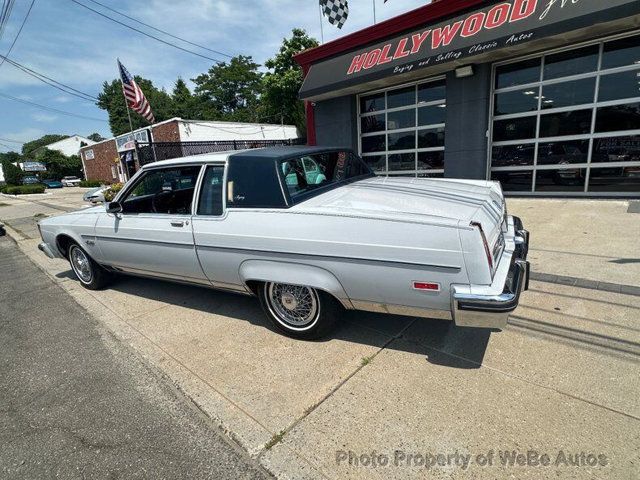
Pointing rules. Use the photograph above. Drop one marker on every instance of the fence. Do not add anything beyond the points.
(156, 151)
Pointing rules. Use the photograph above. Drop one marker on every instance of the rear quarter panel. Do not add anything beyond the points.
(375, 261)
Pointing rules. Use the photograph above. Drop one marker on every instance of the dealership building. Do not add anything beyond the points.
(541, 95)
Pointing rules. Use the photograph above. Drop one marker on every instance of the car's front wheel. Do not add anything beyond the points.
(91, 275)
(299, 311)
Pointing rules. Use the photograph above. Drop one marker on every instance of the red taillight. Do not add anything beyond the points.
(487, 250)
(429, 286)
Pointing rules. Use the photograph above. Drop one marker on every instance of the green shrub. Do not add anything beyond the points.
(12, 174)
(91, 183)
(111, 192)
(23, 189)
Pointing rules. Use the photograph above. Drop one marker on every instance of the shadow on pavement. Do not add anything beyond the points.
(625, 261)
(66, 274)
(441, 342)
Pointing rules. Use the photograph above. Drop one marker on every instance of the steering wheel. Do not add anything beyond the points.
(159, 199)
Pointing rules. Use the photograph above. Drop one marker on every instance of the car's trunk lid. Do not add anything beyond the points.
(416, 200)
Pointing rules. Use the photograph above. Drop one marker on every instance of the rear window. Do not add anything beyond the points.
(309, 173)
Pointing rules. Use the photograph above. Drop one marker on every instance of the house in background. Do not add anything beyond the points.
(70, 146)
(115, 159)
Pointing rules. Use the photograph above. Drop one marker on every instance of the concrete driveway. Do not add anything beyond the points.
(554, 395)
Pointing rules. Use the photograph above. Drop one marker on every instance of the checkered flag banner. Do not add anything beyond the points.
(336, 11)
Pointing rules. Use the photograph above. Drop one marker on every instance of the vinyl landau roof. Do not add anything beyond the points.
(280, 153)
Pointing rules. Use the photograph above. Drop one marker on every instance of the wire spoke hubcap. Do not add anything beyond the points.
(81, 265)
(294, 305)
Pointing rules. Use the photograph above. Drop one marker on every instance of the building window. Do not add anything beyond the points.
(568, 122)
(402, 129)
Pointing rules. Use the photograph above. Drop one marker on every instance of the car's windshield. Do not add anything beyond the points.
(310, 172)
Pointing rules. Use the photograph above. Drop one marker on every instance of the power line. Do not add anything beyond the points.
(24, 21)
(145, 33)
(11, 141)
(7, 8)
(50, 81)
(50, 109)
(159, 30)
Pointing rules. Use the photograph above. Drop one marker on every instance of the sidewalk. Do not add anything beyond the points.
(597, 240)
(561, 379)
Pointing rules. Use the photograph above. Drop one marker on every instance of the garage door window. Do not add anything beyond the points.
(569, 121)
(402, 129)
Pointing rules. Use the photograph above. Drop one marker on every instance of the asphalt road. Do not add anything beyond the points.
(75, 403)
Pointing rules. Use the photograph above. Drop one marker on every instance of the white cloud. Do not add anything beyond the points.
(25, 135)
(72, 45)
(44, 117)
(85, 55)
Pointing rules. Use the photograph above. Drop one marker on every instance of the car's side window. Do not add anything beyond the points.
(307, 173)
(166, 191)
(211, 193)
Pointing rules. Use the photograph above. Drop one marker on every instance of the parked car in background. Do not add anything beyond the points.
(30, 180)
(95, 195)
(50, 183)
(309, 231)
(70, 181)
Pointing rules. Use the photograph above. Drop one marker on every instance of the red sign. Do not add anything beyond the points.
(443, 36)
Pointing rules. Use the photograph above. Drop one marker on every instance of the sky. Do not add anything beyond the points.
(75, 46)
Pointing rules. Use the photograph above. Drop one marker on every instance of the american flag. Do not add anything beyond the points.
(134, 96)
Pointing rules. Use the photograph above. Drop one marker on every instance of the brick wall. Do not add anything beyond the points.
(167, 132)
(105, 155)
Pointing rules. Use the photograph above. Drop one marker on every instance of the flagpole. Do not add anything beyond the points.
(125, 98)
(321, 27)
(374, 11)
(125, 168)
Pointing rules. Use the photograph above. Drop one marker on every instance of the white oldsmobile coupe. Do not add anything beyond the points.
(309, 231)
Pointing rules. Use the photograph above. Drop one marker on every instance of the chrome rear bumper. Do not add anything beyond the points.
(489, 306)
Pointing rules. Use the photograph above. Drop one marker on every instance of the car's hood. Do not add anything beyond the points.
(411, 199)
(90, 210)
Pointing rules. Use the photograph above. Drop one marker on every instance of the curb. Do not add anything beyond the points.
(587, 284)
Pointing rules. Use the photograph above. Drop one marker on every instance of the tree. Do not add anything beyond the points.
(59, 165)
(183, 100)
(96, 137)
(229, 91)
(12, 173)
(13, 157)
(281, 84)
(112, 100)
(30, 148)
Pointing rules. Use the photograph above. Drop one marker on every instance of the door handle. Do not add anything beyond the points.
(177, 223)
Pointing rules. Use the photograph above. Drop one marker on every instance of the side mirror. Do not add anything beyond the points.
(114, 207)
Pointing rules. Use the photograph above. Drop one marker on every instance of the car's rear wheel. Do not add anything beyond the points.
(297, 310)
(91, 275)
